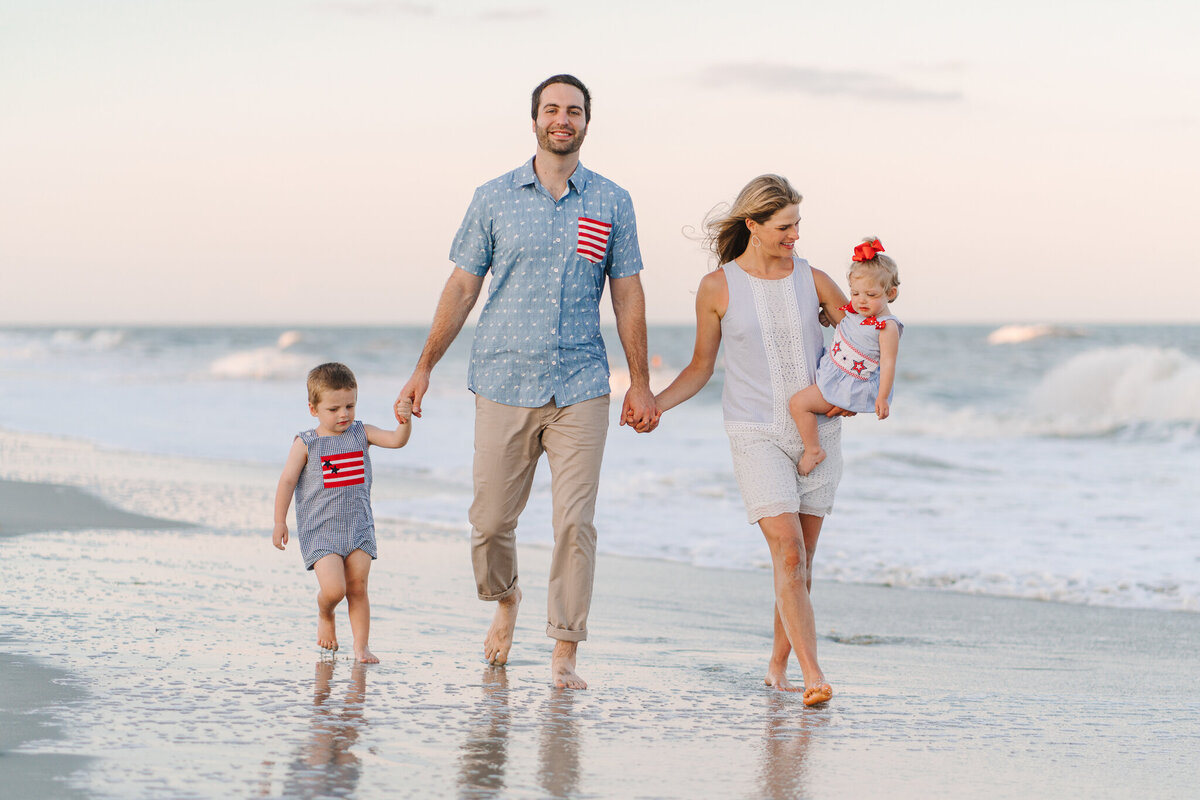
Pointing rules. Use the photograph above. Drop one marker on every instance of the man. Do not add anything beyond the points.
(550, 232)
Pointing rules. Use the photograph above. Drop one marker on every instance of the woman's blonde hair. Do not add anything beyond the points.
(759, 200)
(879, 267)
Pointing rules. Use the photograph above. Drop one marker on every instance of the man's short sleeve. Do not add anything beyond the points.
(472, 246)
(625, 255)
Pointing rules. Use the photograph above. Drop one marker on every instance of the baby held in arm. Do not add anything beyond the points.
(858, 371)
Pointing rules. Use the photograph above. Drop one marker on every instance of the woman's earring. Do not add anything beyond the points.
(754, 240)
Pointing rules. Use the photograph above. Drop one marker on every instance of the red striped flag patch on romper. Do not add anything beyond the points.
(593, 239)
(343, 469)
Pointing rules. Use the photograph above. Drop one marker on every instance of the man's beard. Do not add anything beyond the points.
(562, 148)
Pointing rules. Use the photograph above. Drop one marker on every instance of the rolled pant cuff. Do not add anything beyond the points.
(565, 635)
(501, 595)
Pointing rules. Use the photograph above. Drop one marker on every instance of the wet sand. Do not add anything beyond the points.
(194, 673)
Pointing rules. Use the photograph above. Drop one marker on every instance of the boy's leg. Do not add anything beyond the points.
(331, 578)
(574, 442)
(804, 407)
(358, 606)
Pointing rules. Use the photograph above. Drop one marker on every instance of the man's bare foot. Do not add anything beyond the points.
(562, 666)
(818, 694)
(810, 459)
(326, 629)
(499, 637)
(365, 656)
(777, 679)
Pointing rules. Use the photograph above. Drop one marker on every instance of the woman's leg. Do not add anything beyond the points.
(358, 607)
(804, 407)
(789, 537)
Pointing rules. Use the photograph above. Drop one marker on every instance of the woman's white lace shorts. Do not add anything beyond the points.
(764, 464)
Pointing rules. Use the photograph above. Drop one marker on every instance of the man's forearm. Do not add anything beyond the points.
(454, 306)
(629, 307)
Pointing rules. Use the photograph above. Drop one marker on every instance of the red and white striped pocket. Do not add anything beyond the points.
(593, 239)
(343, 469)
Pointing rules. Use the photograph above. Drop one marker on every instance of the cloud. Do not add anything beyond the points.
(824, 83)
(514, 14)
(372, 8)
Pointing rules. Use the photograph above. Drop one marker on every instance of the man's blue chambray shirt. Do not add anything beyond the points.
(538, 336)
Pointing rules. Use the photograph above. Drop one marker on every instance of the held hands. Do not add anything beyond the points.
(280, 537)
(640, 411)
(403, 409)
(409, 400)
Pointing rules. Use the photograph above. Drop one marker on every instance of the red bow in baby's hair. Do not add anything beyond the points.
(867, 250)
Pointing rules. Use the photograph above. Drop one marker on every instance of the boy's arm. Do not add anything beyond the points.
(889, 348)
(296, 459)
(399, 437)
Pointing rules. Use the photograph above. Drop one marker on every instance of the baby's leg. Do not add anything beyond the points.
(358, 568)
(331, 578)
(804, 406)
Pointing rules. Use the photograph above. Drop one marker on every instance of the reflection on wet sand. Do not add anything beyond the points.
(326, 765)
(559, 750)
(789, 730)
(484, 753)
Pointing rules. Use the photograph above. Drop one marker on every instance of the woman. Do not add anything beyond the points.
(763, 301)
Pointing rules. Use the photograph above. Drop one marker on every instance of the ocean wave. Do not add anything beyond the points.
(263, 362)
(1015, 334)
(1113, 387)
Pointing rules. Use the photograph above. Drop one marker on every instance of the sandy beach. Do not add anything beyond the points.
(180, 662)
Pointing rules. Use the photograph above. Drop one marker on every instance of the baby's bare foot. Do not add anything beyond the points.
(365, 656)
(810, 459)
(499, 637)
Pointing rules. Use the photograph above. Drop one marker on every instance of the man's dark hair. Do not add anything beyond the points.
(570, 80)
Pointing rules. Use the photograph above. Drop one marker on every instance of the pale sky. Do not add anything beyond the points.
(297, 162)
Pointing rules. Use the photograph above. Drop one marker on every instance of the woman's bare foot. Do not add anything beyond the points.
(326, 629)
(499, 637)
(777, 679)
(818, 694)
(810, 459)
(365, 656)
(562, 666)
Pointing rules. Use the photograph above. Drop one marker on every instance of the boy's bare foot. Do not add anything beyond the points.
(818, 694)
(777, 679)
(562, 666)
(499, 637)
(810, 459)
(365, 656)
(326, 629)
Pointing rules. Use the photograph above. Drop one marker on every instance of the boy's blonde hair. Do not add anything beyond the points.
(329, 378)
(880, 267)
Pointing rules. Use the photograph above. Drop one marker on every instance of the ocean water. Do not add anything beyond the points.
(1041, 462)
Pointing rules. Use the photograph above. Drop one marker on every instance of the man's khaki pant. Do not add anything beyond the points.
(509, 440)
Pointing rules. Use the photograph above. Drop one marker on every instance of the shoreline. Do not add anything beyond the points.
(193, 648)
(936, 694)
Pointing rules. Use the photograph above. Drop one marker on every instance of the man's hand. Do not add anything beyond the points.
(409, 399)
